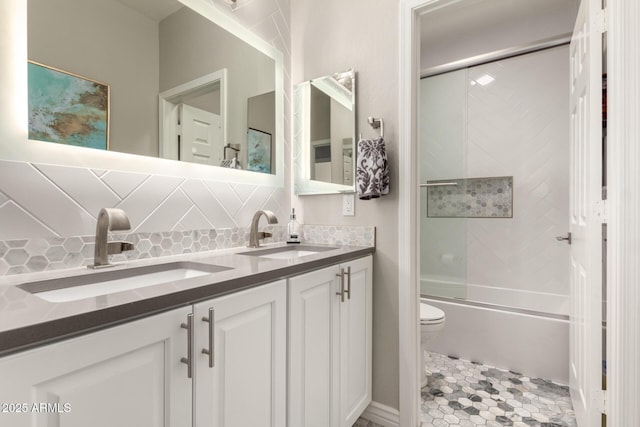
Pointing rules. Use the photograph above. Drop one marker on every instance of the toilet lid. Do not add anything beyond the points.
(429, 313)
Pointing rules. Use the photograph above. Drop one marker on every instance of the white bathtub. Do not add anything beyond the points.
(526, 332)
(542, 302)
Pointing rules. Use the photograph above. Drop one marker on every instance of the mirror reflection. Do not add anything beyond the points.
(325, 109)
(179, 86)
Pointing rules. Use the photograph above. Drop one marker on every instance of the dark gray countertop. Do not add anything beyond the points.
(27, 320)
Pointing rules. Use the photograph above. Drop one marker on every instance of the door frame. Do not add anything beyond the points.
(623, 157)
(408, 208)
(168, 106)
(623, 217)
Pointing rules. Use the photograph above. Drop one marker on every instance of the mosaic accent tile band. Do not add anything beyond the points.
(55, 253)
(339, 235)
(471, 198)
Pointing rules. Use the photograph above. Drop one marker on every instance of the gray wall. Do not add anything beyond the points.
(191, 47)
(120, 48)
(326, 39)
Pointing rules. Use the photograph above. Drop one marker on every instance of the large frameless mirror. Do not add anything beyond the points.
(167, 79)
(325, 134)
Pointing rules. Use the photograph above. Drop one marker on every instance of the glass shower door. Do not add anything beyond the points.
(443, 231)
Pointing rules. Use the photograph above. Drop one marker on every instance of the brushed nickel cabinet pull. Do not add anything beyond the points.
(189, 359)
(562, 238)
(348, 291)
(342, 291)
(210, 320)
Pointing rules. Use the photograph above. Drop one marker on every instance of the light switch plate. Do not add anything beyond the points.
(348, 205)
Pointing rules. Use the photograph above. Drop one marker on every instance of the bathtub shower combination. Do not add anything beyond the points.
(494, 197)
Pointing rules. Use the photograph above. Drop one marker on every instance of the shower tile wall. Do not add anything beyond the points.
(516, 125)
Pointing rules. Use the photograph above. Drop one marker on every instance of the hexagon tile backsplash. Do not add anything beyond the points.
(55, 253)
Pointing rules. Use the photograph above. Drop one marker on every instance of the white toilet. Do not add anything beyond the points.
(431, 323)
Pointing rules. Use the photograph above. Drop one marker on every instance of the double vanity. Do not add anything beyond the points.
(273, 336)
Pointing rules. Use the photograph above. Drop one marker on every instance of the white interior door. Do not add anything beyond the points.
(586, 215)
(200, 141)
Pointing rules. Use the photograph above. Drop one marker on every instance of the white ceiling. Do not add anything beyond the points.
(493, 24)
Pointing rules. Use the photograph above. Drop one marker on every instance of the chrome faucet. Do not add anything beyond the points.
(109, 219)
(254, 234)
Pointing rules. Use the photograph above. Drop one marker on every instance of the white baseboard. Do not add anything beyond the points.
(383, 415)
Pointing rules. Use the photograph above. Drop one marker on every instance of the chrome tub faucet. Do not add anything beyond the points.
(115, 220)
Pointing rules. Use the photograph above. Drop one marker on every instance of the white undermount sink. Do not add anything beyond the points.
(110, 281)
(287, 252)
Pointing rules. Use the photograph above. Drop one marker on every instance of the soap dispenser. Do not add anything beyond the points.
(293, 228)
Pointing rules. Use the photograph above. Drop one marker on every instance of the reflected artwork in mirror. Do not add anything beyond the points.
(324, 134)
(181, 86)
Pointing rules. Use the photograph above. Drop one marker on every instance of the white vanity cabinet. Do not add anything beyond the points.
(244, 384)
(224, 362)
(330, 324)
(136, 374)
(127, 375)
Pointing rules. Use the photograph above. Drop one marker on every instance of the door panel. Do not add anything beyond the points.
(586, 216)
(313, 357)
(120, 386)
(125, 375)
(246, 385)
(201, 140)
(355, 343)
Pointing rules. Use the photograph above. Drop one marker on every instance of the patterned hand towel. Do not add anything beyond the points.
(372, 172)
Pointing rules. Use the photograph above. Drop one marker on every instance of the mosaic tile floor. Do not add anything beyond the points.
(460, 393)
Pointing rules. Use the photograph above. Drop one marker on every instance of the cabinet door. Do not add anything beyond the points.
(246, 385)
(355, 342)
(313, 349)
(128, 375)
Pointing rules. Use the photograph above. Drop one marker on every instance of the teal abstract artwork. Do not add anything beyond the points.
(67, 108)
(259, 151)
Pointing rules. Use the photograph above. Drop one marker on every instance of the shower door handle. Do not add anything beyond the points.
(562, 238)
(439, 184)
